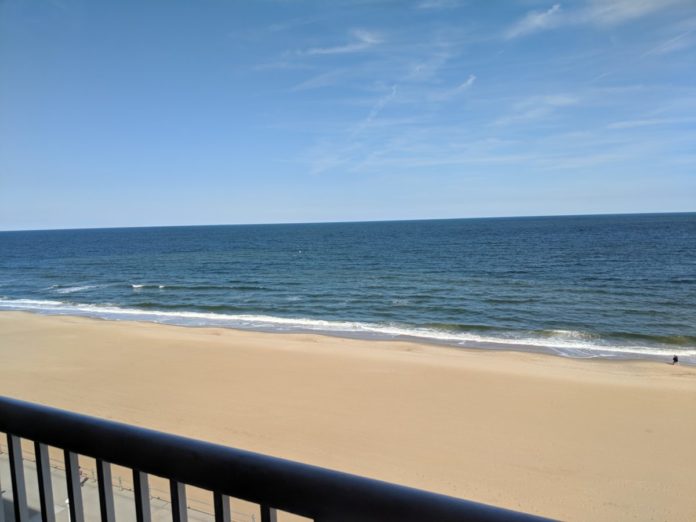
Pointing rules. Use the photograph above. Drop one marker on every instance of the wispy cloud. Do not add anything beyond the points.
(446, 94)
(439, 4)
(409, 99)
(428, 68)
(679, 42)
(353, 145)
(595, 12)
(468, 83)
(291, 23)
(283, 64)
(415, 150)
(647, 122)
(611, 12)
(425, 144)
(379, 106)
(361, 41)
(319, 81)
(535, 21)
(537, 107)
(325, 157)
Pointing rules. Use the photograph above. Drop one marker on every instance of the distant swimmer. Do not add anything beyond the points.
(675, 360)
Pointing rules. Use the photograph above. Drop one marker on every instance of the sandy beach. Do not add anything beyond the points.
(565, 438)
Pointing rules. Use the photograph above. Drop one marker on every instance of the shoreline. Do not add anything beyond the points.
(360, 331)
(574, 439)
(405, 343)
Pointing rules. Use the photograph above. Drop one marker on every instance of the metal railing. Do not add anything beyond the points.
(275, 484)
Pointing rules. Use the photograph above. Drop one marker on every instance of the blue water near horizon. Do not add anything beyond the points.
(580, 286)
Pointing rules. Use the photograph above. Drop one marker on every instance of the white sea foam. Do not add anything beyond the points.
(72, 289)
(572, 336)
(7, 304)
(136, 287)
(568, 343)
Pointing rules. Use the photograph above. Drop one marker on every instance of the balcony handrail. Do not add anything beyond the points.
(302, 489)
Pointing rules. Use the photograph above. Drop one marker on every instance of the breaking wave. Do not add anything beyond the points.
(563, 342)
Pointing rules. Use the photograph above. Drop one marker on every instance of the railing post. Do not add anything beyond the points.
(141, 492)
(2, 502)
(19, 491)
(72, 477)
(222, 507)
(177, 491)
(268, 514)
(106, 491)
(43, 473)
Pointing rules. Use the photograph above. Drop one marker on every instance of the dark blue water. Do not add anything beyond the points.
(580, 286)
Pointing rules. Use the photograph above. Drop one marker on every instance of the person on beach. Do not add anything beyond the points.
(83, 476)
(675, 360)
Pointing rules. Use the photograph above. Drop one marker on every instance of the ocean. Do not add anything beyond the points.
(615, 286)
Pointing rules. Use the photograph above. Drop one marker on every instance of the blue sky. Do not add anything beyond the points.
(213, 111)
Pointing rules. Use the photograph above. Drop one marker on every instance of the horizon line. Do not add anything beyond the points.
(397, 220)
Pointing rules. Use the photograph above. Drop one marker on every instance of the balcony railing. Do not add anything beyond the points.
(272, 483)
